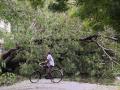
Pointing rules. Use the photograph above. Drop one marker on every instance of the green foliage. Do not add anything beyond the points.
(59, 5)
(7, 79)
(63, 41)
(36, 3)
(2, 65)
(41, 30)
(114, 12)
(105, 12)
(26, 69)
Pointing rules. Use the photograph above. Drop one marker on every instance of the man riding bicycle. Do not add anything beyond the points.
(49, 63)
(47, 71)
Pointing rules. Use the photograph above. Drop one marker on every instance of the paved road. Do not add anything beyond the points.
(64, 85)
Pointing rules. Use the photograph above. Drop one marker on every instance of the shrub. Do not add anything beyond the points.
(7, 79)
(26, 69)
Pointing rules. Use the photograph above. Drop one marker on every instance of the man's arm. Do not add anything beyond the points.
(45, 62)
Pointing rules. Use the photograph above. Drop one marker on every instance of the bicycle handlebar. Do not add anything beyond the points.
(41, 64)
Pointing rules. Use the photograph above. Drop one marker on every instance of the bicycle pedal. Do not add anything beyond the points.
(48, 77)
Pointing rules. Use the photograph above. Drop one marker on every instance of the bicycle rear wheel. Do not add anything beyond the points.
(35, 76)
(56, 76)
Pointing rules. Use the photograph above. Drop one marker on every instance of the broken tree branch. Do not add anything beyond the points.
(103, 49)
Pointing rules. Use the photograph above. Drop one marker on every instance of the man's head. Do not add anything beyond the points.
(49, 52)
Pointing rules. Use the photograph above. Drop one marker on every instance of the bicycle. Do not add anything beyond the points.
(56, 75)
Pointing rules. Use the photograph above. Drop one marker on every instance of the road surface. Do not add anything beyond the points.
(64, 85)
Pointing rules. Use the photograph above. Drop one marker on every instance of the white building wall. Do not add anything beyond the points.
(1, 46)
(6, 26)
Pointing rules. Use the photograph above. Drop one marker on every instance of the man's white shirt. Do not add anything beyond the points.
(50, 60)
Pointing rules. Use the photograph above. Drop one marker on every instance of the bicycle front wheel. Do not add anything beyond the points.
(56, 76)
(35, 76)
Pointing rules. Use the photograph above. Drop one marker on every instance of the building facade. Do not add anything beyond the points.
(5, 27)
